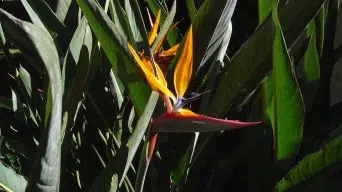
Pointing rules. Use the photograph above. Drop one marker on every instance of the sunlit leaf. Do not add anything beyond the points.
(312, 164)
(135, 20)
(42, 15)
(111, 178)
(62, 8)
(165, 26)
(155, 6)
(214, 17)
(37, 42)
(115, 47)
(287, 109)
(11, 181)
(251, 63)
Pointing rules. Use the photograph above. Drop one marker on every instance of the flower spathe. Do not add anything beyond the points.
(182, 77)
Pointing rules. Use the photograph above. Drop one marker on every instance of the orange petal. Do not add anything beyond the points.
(186, 112)
(170, 52)
(159, 72)
(146, 64)
(157, 49)
(159, 45)
(153, 33)
(154, 82)
(183, 71)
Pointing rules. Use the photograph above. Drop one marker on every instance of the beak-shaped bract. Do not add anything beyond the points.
(187, 121)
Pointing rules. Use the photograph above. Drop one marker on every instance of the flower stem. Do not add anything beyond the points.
(167, 102)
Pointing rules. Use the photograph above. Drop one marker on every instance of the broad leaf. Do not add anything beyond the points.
(320, 26)
(76, 70)
(264, 8)
(42, 15)
(214, 17)
(311, 57)
(38, 43)
(286, 111)
(111, 178)
(11, 181)
(62, 9)
(312, 164)
(192, 10)
(180, 172)
(249, 66)
(6, 103)
(115, 47)
(121, 20)
(165, 27)
(135, 20)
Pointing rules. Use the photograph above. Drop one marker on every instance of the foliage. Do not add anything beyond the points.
(87, 103)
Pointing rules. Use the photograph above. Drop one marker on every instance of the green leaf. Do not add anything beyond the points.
(249, 66)
(180, 172)
(322, 99)
(111, 178)
(312, 164)
(121, 20)
(172, 34)
(39, 45)
(287, 109)
(25, 80)
(165, 27)
(214, 17)
(320, 26)
(136, 21)
(117, 90)
(155, 5)
(115, 47)
(2, 37)
(77, 67)
(264, 8)
(17, 107)
(192, 10)
(62, 8)
(144, 163)
(337, 53)
(42, 15)
(311, 58)
(6, 103)
(11, 181)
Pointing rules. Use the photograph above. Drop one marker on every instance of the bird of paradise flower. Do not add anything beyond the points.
(176, 117)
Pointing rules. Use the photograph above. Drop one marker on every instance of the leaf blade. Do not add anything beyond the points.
(11, 181)
(37, 42)
(113, 175)
(287, 111)
(214, 16)
(115, 47)
(234, 87)
(312, 164)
